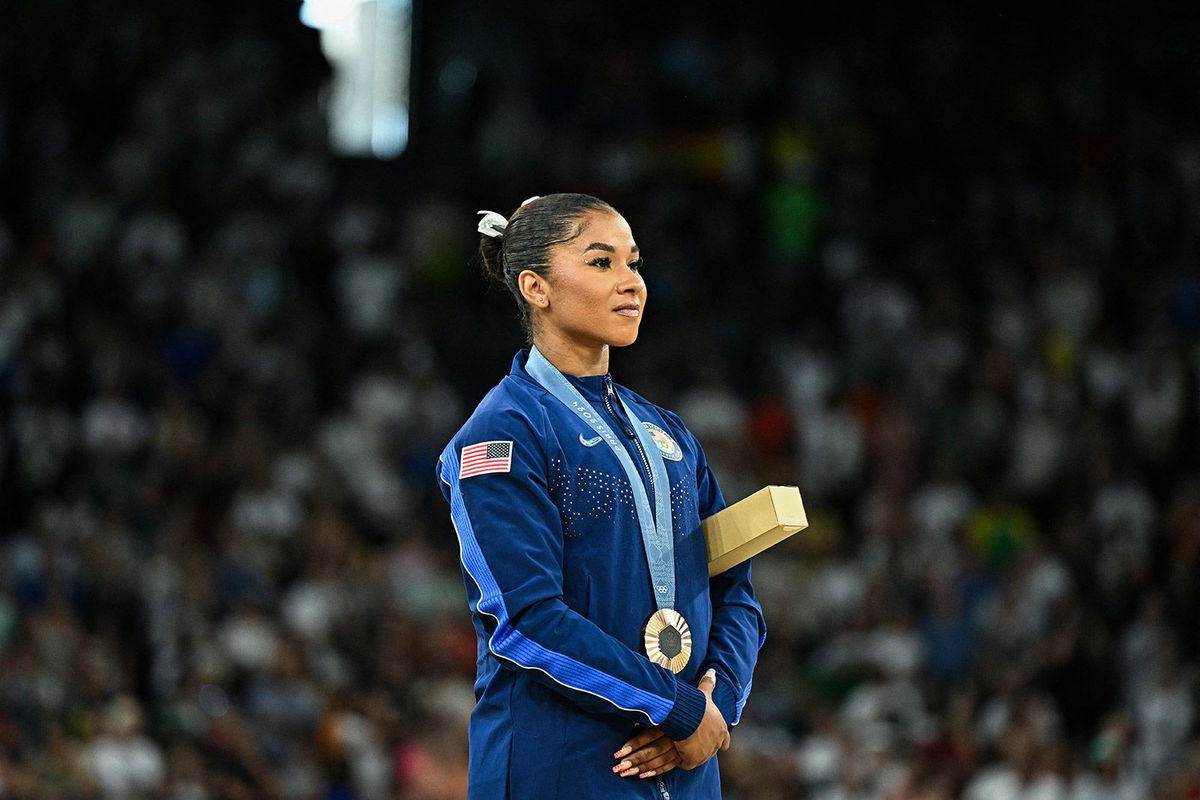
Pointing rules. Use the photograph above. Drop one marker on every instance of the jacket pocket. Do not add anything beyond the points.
(578, 595)
(539, 729)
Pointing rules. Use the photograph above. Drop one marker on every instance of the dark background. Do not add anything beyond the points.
(936, 266)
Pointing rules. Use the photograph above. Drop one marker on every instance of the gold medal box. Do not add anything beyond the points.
(751, 525)
(734, 534)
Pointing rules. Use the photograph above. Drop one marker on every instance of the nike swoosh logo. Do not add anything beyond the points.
(590, 442)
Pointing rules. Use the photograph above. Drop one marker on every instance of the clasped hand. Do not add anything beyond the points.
(651, 752)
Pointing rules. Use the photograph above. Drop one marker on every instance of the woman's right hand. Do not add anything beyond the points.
(713, 733)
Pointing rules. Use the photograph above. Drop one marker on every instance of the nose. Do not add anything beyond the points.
(631, 281)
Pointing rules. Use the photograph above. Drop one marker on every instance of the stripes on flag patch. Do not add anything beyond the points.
(485, 457)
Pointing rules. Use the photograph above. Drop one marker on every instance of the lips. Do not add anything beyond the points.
(629, 310)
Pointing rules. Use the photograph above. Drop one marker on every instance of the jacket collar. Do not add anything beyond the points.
(590, 386)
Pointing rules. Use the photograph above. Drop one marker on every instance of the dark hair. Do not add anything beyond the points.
(533, 229)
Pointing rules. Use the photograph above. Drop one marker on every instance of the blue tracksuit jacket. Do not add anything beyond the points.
(559, 589)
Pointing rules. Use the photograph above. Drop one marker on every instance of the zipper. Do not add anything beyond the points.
(663, 794)
(610, 395)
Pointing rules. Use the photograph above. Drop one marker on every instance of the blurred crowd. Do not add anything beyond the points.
(941, 271)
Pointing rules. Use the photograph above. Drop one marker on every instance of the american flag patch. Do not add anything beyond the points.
(485, 457)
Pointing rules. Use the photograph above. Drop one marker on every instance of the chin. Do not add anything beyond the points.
(623, 339)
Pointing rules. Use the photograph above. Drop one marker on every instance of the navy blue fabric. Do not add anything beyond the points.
(559, 589)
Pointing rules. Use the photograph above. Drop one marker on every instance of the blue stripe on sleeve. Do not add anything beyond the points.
(509, 643)
(737, 712)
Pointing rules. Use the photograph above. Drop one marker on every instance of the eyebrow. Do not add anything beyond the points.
(608, 248)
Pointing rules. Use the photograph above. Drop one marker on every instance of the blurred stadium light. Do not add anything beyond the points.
(369, 44)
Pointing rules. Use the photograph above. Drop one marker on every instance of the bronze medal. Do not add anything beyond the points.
(668, 639)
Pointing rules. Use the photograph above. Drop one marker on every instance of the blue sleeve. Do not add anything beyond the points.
(511, 541)
(738, 628)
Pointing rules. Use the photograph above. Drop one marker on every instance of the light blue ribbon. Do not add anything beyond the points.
(657, 532)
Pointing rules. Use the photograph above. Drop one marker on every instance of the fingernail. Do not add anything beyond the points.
(624, 751)
(628, 772)
(649, 774)
(621, 766)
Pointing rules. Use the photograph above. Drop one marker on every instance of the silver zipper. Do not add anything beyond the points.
(663, 794)
(608, 395)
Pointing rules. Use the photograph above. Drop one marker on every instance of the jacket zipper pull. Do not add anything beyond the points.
(610, 397)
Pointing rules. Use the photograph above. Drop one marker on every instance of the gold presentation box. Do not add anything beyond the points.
(750, 526)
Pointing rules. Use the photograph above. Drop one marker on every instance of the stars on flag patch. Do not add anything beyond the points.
(485, 457)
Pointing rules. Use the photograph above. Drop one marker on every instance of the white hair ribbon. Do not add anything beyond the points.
(492, 224)
(530, 200)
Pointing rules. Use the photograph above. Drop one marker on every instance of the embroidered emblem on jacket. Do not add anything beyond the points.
(590, 442)
(666, 445)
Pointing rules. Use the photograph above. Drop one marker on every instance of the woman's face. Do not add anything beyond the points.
(595, 292)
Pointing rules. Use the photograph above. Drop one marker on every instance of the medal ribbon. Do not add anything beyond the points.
(658, 537)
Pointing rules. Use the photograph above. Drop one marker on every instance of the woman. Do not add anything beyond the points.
(607, 658)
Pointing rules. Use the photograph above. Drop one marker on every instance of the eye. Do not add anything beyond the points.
(636, 266)
(604, 262)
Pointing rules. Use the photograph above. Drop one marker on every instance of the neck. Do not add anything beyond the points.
(573, 358)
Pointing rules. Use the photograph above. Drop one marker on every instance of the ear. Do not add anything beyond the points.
(534, 288)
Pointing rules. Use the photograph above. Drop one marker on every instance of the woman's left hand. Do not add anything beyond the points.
(648, 754)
